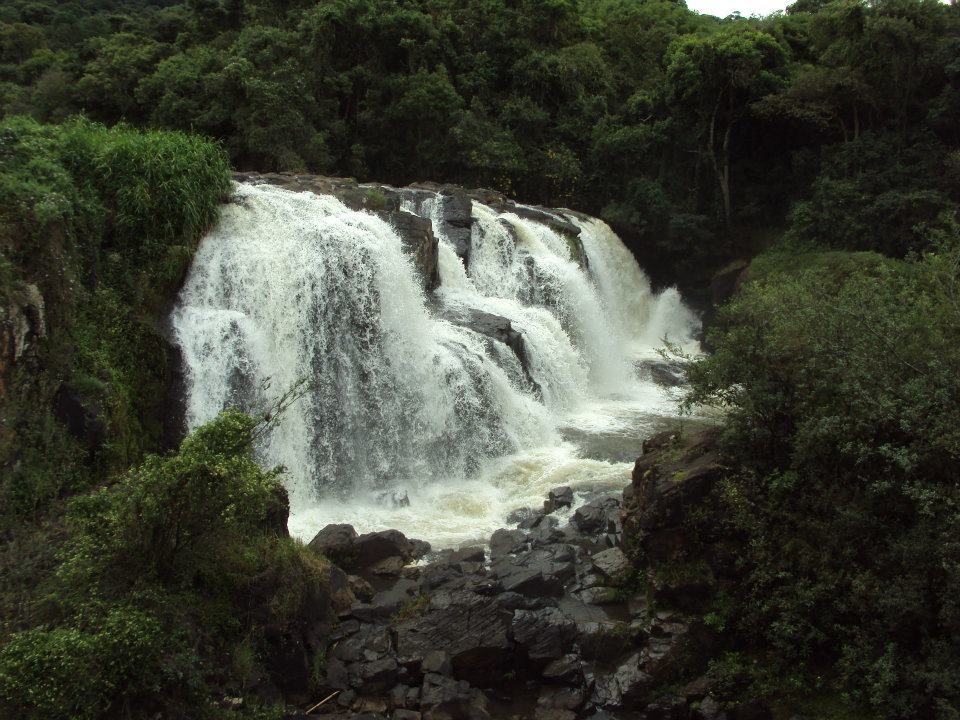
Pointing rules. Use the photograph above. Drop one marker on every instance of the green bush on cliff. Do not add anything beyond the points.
(97, 226)
(843, 387)
(182, 561)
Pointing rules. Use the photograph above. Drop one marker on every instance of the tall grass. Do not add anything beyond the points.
(103, 222)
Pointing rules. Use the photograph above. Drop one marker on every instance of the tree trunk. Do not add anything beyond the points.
(721, 164)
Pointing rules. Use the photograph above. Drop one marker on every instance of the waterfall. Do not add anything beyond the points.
(404, 389)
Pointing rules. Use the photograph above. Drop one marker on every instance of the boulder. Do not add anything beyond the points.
(532, 521)
(469, 627)
(597, 516)
(665, 373)
(547, 533)
(627, 687)
(559, 497)
(437, 661)
(404, 714)
(599, 595)
(376, 676)
(673, 475)
(667, 707)
(360, 588)
(604, 640)
(494, 327)
(553, 713)
(709, 709)
(472, 554)
(676, 648)
(567, 699)
(371, 548)
(546, 634)
(519, 515)
(388, 567)
(443, 698)
(418, 239)
(612, 563)
(565, 670)
(339, 590)
(396, 596)
(539, 572)
(335, 542)
(503, 542)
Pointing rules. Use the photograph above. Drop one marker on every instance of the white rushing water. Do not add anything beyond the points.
(400, 400)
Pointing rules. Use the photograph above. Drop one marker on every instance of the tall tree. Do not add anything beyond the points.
(714, 79)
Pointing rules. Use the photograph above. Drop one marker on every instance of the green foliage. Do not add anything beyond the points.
(176, 564)
(96, 227)
(162, 522)
(77, 673)
(693, 135)
(840, 376)
(875, 194)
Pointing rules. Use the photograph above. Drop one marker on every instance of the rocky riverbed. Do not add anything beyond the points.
(550, 620)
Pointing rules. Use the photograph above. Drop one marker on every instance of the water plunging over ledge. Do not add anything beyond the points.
(517, 374)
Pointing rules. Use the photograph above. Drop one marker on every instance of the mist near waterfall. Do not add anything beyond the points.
(403, 397)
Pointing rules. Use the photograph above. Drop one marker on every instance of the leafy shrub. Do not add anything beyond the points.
(842, 382)
(82, 673)
(180, 563)
(100, 224)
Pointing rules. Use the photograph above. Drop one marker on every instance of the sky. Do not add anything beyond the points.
(722, 8)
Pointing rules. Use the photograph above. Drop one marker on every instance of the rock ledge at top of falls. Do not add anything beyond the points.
(416, 231)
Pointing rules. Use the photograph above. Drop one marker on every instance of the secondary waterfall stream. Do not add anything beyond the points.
(405, 395)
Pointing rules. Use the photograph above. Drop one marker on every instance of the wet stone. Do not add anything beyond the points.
(546, 634)
(565, 670)
(519, 515)
(403, 714)
(504, 542)
(612, 563)
(531, 522)
(559, 497)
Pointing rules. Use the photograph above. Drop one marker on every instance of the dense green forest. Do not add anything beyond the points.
(813, 156)
(699, 139)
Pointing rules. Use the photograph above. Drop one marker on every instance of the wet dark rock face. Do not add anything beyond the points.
(546, 622)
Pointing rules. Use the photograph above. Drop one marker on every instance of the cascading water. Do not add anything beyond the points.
(401, 393)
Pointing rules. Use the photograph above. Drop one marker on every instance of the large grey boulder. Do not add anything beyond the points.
(474, 631)
(546, 634)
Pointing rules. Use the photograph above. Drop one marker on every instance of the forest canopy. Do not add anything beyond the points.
(694, 136)
(804, 167)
